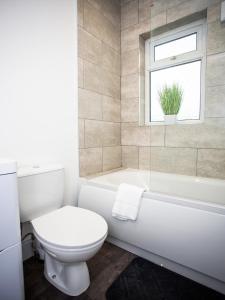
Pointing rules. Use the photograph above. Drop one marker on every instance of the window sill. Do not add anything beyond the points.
(185, 122)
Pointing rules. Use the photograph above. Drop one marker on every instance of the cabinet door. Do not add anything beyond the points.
(9, 211)
(11, 274)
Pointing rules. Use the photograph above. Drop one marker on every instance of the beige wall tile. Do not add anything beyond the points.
(90, 161)
(181, 135)
(111, 10)
(172, 3)
(99, 78)
(130, 110)
(144, 10)
(111, 35)
(129, 14)
(174, 160)
(130, 35)
(213, 13)
(93, 20)
(99, 134)
(89, 47)
(216, 37)
(211, 134)
(80, 73)
(147, 10)
(122, 2)
(184, 9)
(130, 86)
(130, 157)
(215, 101)
(158, 7)
(211, 163)
(135, 135)
(130, 62)
(129, 39)
(111, 109)
(80, 12)
(111, 134)
(212, 2)
(215, 69)
(81, 133)
(97, 24)
(111, 158)
(93, 133)
(158, 20)
(92, 77)
(110, 84)
(90, 105)
(110, 59)
(96, 3)
(144, 27)
(157, 135)
(144, 158)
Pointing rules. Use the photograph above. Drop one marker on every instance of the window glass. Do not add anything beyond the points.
(188, 77)
(176, 47)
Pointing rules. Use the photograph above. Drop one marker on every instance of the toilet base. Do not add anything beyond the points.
(70, 278)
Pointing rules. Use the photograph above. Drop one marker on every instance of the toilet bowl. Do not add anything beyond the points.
(66, 236)
(69, 236)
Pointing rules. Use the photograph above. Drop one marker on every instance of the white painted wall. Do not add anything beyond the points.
(38, 84)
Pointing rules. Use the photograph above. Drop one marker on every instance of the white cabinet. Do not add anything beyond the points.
(11, 274)
(9, 212)
(11, 267)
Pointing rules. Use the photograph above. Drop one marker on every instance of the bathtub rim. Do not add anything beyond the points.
(189, 178)
(173, 199)
(172, 175)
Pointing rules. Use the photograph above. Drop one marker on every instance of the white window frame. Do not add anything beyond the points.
(198, 27)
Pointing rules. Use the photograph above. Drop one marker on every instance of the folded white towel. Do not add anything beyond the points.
(127, 203)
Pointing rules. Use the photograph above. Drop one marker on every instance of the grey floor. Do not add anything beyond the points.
(104, 267)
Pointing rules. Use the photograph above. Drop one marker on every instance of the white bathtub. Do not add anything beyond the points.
(181, 222)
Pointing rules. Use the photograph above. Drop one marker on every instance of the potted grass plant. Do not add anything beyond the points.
(170, 99)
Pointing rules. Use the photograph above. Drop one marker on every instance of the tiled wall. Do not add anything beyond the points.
(106, 124)
(99, 85)
(183, 149)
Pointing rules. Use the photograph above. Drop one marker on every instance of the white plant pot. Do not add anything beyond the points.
(170, 119)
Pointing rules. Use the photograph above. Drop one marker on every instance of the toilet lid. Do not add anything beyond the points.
(70, 227)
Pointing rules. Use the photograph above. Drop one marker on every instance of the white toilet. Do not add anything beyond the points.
(69, 236)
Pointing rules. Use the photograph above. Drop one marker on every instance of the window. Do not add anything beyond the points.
(176, 57)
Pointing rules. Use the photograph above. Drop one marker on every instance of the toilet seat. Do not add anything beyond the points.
(70, 228)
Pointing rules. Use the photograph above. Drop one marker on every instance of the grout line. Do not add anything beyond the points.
(98, 120)
(100, 66)
(174, 147)
(84, 134)
(220, 53)
(215, 85)
(138, 157)
(102, 158)
(102, 146)
(138, 12)
(100, 94)
(165, 127)
(196, 166)
(214, 118)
